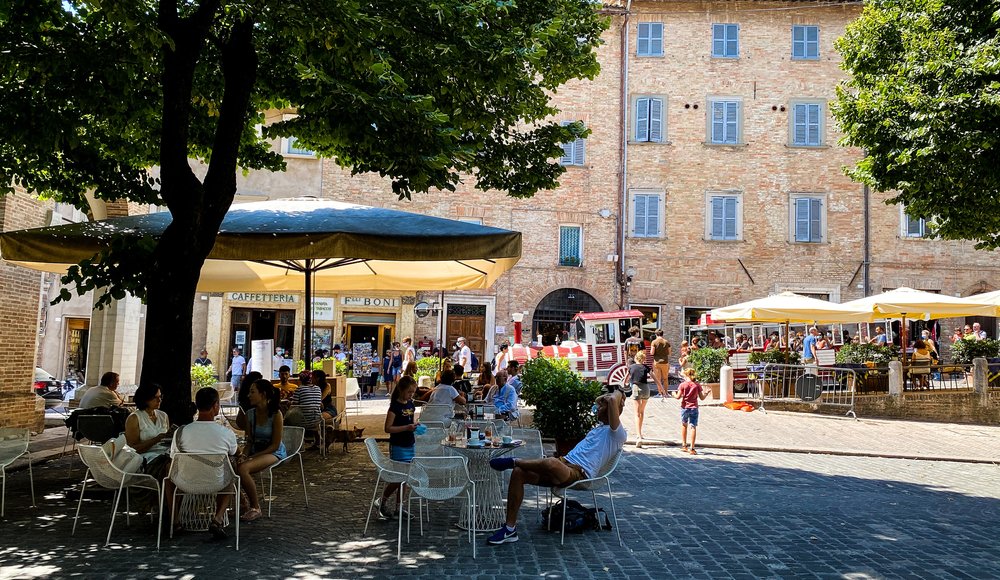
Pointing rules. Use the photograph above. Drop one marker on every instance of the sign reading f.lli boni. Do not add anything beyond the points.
(369, 301)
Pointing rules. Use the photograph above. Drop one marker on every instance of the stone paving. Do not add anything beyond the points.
(727, 513)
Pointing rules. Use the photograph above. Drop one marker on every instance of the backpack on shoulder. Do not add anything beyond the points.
(579, 518)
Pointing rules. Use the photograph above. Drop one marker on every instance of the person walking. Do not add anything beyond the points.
(638, 376)
(236, 368)
(661, 362)
(689, 393)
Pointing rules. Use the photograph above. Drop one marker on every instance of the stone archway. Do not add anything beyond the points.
(555, 311)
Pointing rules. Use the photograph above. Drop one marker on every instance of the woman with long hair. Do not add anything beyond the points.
(264, 425)
(243, 397)
(400, 425)
(486, 383)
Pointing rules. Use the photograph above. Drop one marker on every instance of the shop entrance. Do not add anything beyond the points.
(375, 329)
(250, 324)
(468, 320)
(77, 341)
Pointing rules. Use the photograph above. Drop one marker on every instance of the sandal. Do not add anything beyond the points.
(684, 448)
(252, 514)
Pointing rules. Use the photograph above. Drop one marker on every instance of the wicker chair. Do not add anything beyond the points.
(208, 474)
(439, 479)
(110, 477)
(14, 444)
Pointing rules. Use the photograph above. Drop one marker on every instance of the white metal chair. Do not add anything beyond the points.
(353, 393)
(202, 474)
(14, 444)
(227, 397)
(437, 413)
(439, 479)
(389, 471)
(292, 437)
(429, 444)
(110, 477)
(590, 484)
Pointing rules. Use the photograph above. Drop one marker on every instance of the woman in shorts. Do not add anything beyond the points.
(638, 376)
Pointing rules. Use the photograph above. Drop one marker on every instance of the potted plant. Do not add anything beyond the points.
(964, 350)
(774, 356)
(203, 376)
(864, 358)
(562, 401)
(707, 363)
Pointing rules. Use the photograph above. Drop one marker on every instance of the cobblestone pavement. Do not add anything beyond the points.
(724, 514)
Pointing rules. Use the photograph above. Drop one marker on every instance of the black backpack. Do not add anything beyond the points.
(475, 363)
(579, 518)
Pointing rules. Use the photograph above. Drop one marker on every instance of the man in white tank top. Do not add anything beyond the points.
(583, 462)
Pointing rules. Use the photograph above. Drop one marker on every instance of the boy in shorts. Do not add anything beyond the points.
(689, 393)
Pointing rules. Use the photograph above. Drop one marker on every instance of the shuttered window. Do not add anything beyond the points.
(808, 220)
(570, 250)
(805, 42)
(573, 152)
(724, 211)
(650, 39)
(807, 124)
(649, 119)
(647, 215)
(725, 40)
(724, 128)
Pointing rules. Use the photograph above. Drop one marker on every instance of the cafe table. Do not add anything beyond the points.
(490, 510)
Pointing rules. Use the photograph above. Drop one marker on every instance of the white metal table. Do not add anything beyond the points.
(490, 510)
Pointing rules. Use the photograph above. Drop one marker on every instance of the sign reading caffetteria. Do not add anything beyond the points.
(369, 301)
(263, 297)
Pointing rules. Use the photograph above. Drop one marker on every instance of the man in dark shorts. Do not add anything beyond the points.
(583, 462)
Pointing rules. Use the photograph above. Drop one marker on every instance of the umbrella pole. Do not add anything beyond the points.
(307, 341)
(902, 347)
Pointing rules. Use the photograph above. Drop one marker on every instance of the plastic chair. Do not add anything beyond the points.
(439, 479)
(389, 471)
(14, 444)
(589, 484)
(292, 437)
(110, 477)
(353, 393)
(202, 474)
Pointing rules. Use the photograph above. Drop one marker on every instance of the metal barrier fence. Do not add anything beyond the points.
(830, 386)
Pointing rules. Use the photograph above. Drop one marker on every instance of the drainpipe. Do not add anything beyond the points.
(623, 186)
(866, 264)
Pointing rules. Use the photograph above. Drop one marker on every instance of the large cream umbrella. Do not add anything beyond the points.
(301, 243)
(906, 303)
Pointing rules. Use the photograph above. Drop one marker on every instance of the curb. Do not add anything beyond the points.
(836, 452)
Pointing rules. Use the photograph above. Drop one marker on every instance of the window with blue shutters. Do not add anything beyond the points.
(807, 124)
(724, 122)
(570, 246)
(726, 40)
(647, 215)
(649, 120)
(808, 220)
(723, 217)
(805, 42)
(650, 39)
(573, 152)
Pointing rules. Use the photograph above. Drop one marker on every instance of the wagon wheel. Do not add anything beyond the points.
(617, 376)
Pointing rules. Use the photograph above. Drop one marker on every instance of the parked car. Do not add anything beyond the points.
(47, 387)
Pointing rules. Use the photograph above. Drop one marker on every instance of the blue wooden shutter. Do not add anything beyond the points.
(578, 151)
(642, 119)
(655, 120)
(729, 204)
(802, 220)
(732, 121)
(642, 41)
(732, 40)
(718, 122)
(652, 216)
(813, 123)
(799, 120)
(567, 157)
(718, 40)
(639, 216)
(656, 39)
(812, 41)
(815, 220)
(798, 42)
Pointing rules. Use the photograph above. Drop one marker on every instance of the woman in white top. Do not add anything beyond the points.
(501, 360)
(148, 428)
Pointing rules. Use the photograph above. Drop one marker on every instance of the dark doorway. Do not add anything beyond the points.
(555, 312)
(249, 325)
(358, 333)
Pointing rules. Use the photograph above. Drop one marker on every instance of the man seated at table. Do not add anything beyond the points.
(461, 384)
(505, 401)
(204, 435)
(103, 395)
(583, 462)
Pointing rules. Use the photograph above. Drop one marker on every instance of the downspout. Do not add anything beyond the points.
(866, 264)
(623, 191)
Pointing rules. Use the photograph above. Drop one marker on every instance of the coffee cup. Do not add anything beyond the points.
(507, 440)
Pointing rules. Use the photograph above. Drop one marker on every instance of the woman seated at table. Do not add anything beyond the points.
(485, 384)
(148, 431)
(921, 361)
(243, 397)
(264, 425)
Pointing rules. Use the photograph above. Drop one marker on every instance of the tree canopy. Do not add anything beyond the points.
(422, 92)
(923, 101)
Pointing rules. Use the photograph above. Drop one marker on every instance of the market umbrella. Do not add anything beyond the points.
(301, 243)
(788, 307)
(988, 298)
(906, 302)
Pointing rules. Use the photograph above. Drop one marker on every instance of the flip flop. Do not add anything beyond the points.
(252, 514)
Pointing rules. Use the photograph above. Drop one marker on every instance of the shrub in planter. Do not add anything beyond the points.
(966, 349)
(203, 376)
(707, 363)
(862, 353)
(774, 356)
(428, 366)
(562, 399)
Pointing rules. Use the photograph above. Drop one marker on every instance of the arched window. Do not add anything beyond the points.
(554, 313)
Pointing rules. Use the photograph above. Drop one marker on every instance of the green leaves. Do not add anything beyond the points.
(922, 102)
(562, 399)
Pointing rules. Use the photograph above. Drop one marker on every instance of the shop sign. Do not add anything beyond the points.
(322, 308)
(369, 301)
(263, 297)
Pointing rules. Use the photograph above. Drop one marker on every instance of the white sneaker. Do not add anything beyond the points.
(638, 443)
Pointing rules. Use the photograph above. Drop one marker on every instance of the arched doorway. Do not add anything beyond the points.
(554, 313)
